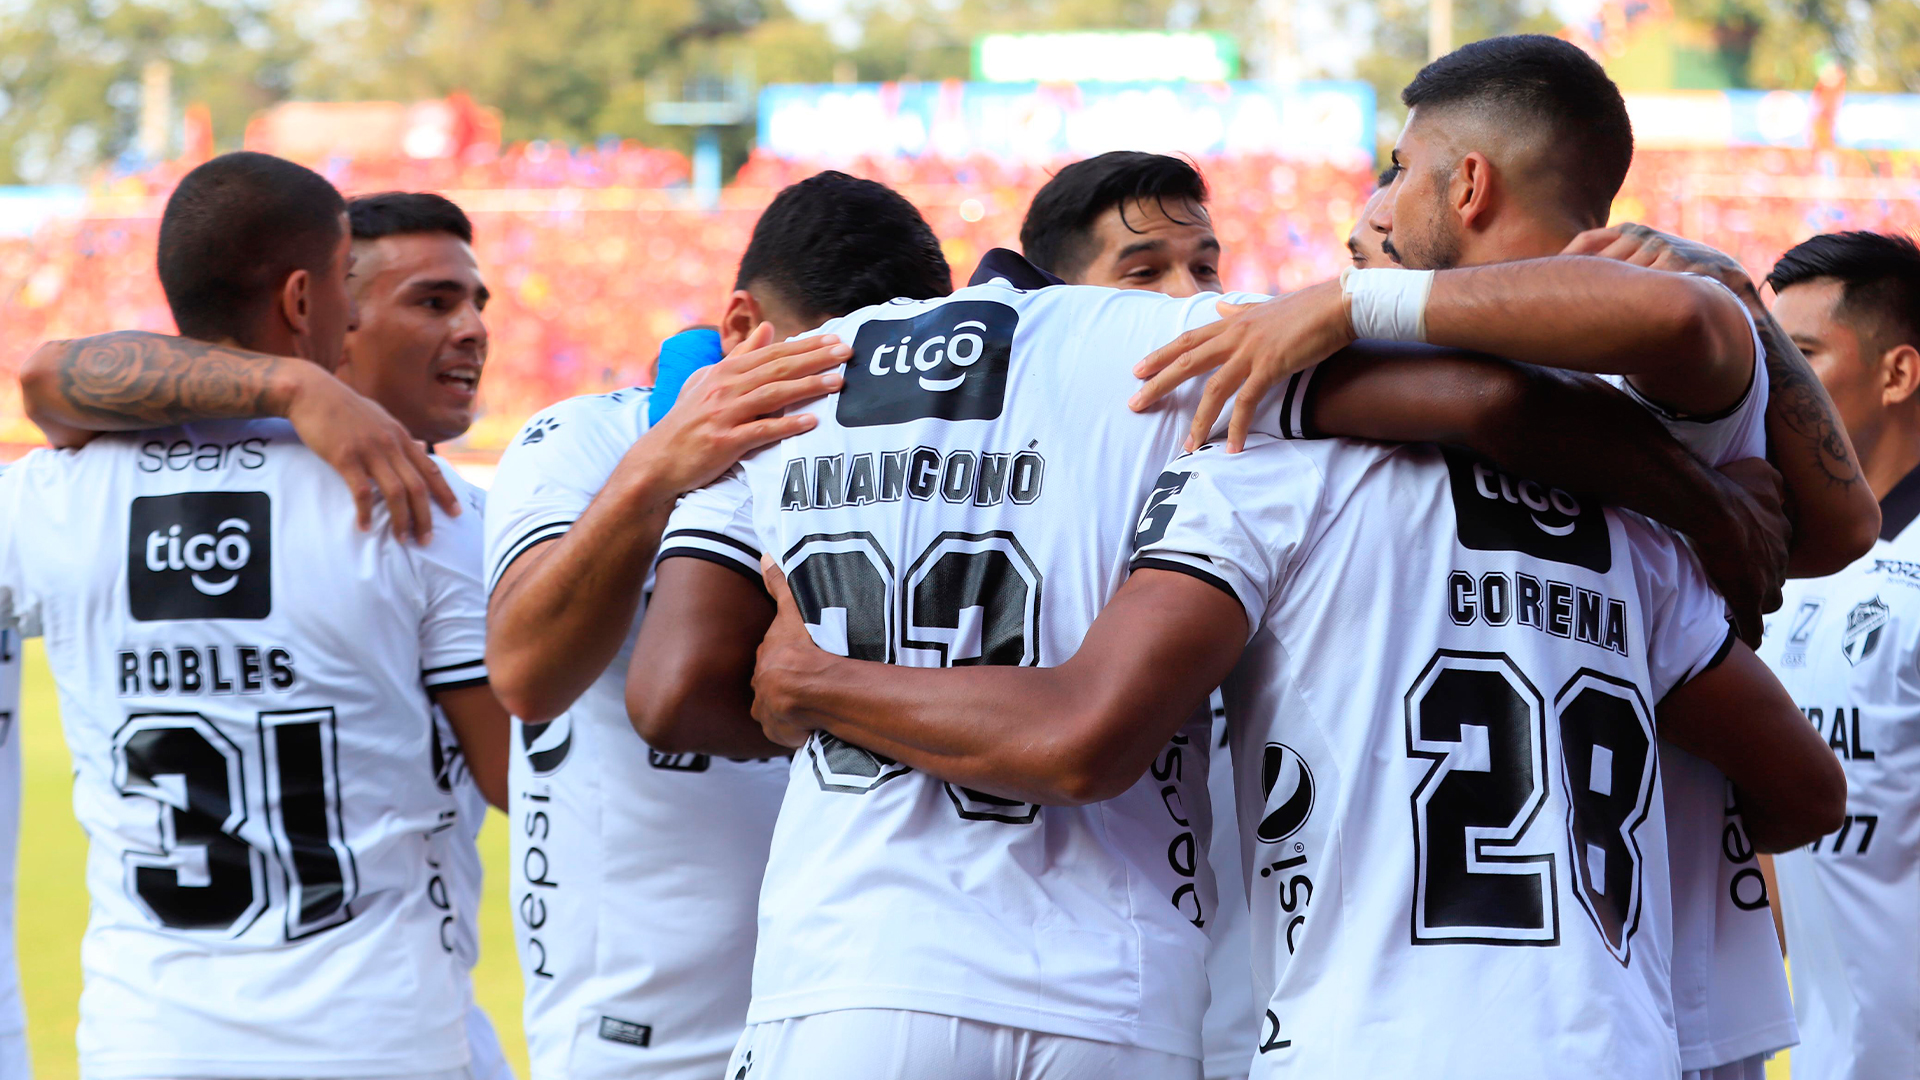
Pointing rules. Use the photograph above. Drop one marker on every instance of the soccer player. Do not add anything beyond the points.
(1134, 220)
(1128, 220)
(1497, 669)
(637, 866)
(1365, 244)
(971, 457)
(1845, 646)
(417, 351)
(13, 1018)
(247, 684)
(1514, 148)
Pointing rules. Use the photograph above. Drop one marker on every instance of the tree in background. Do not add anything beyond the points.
(71, 73)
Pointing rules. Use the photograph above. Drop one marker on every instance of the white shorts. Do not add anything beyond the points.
(894, 1044)
(1753, 1068)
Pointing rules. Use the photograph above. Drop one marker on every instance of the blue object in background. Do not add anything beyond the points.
(680, 356)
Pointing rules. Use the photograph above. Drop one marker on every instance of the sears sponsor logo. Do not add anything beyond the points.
(1498, 512)
(948, 363)
(201, 555)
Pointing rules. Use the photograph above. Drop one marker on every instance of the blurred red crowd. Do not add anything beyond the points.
(596, 255)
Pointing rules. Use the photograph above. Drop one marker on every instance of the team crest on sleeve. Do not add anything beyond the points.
(948, 363)
(537, 431)
(200, 555)
(1864, 624)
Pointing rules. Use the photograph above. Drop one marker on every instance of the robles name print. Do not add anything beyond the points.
(947, 363)
(200, 555)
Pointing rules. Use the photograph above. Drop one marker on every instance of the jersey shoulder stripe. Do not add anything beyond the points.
(712, 546)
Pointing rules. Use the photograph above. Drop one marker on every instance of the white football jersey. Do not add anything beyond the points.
(13, 1016)
(1443, 741)
(244, 678)
(1730, 994)
(1231, 1028)
(635, 873)
(967, 498)
(1845, 647)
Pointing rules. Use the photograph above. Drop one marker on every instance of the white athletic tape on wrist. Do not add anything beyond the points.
(1387, 304)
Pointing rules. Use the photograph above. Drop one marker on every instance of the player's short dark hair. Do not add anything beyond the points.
(1057, 235)
(1533, 79)
(1880, 281)
(832, 244)
(232, 232)
(393, 213)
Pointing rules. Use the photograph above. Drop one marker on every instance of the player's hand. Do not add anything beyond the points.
(1255, 347)
(372, 452)
(1643, 246)
(788, 658)
(1747, 557)
(729, 409)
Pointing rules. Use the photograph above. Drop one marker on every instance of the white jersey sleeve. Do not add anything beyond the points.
(1687, 632)
(453, 636)
(1234, 521)
(715, 523)
(1739, 431)
(554, 468)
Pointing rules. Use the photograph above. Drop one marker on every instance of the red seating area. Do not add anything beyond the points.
(596, 255)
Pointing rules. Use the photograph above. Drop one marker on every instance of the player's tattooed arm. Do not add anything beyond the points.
(134, 380)
(1571, 431)
(1737, 716)
(1686, 343)
(1835, 516)
(1077, 733)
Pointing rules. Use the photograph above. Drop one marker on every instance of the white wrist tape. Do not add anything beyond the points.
(1387, 304)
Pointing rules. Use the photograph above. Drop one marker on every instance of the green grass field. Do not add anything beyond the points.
(53, 899)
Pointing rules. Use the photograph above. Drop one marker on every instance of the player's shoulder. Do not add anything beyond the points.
(620, 414)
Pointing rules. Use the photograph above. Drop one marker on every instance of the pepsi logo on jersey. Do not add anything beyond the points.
(200, 555)
(1498, 512)
(949, 363)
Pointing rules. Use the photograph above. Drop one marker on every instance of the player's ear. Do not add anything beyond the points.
(742, 314)
(1472, 191)
(295, 307)
(1900, 374)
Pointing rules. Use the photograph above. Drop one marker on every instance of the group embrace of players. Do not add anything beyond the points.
(1078, 674)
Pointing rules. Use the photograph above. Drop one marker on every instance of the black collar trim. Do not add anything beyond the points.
(1014, 267)
(1901, 506)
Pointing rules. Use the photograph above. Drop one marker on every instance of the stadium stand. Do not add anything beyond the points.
(596, 254)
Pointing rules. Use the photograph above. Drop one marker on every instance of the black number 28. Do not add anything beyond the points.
(1482, 724)
(203, 875)
(968, 598)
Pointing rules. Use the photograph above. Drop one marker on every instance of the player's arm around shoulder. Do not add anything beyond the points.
(1836, 519)
(1209, 550)
(562, 605)
(134, 380)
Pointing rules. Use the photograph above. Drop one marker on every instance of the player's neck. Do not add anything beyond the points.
(1891, 454)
